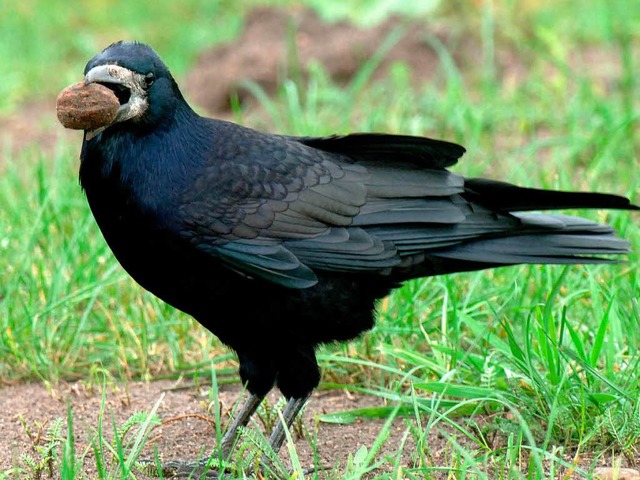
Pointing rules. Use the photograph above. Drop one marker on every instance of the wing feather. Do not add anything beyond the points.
(279, 208)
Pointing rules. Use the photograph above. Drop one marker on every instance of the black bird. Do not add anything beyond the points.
(277, 244)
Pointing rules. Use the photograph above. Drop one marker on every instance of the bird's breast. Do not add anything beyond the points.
(140, 226)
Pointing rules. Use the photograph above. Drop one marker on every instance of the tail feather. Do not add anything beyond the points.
(505, 197)
(576, 242)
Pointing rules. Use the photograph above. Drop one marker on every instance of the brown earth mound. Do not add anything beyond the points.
(277, 43)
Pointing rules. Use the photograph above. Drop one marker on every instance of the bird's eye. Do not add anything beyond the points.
(149, 78)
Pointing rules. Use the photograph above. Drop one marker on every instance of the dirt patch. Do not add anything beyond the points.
(278, 44)
(27, 412)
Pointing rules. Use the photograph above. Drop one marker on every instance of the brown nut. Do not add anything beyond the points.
(87, 107)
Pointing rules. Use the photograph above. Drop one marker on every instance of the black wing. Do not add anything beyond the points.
(280, 208)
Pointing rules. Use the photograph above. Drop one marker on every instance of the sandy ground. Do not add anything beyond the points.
(187, 430)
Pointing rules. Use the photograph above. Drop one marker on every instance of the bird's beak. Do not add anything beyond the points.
(128, 86)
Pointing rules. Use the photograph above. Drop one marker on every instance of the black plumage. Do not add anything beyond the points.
(277, 244)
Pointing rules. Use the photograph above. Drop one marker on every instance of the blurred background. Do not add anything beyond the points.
(469, 58)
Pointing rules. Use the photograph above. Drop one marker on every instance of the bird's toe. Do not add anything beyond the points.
(180, 469)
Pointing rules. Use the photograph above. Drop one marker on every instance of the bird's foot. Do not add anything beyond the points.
(203, 469)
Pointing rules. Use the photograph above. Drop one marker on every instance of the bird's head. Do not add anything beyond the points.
(142, 82)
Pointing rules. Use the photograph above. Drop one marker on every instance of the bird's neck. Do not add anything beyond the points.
(151, 165)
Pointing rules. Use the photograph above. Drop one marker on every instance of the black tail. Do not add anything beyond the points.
(551, 239)
(504, 197)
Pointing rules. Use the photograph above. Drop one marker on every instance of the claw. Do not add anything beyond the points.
(179, 469)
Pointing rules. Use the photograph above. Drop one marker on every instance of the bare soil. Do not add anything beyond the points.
(261, 55)
(188, 428)
(266, 53)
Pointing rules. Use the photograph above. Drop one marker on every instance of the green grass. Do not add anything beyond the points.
(45, 45)
(521, 368)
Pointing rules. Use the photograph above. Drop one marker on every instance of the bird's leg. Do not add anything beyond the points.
(200, 469)
(291, 411)
(240, 420)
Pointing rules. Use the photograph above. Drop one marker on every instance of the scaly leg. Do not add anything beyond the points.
(291, 411)
(240, 420)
